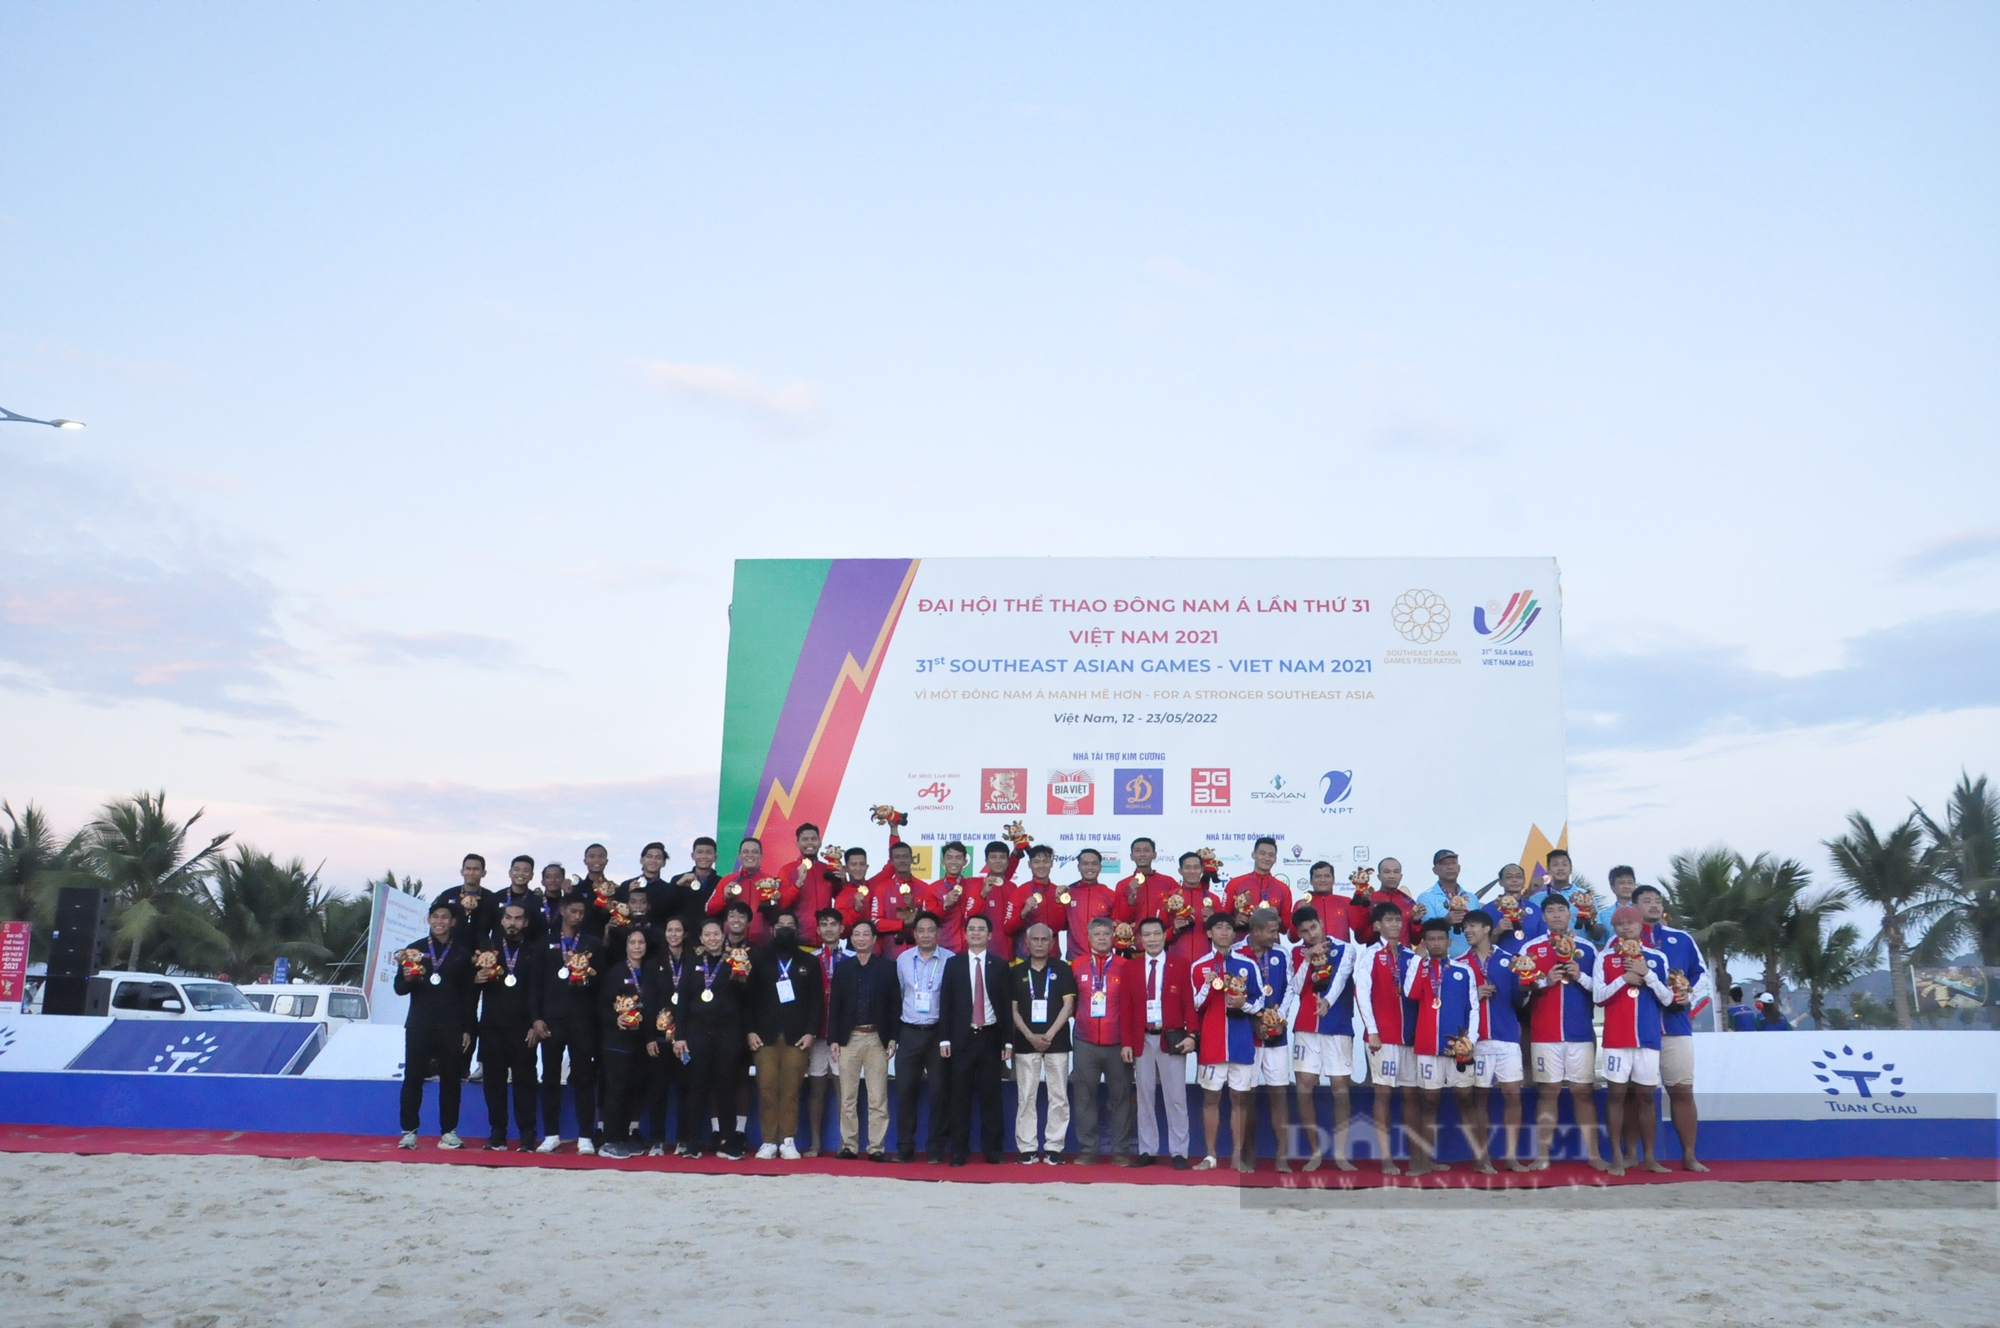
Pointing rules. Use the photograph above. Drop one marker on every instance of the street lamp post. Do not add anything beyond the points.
(9, 417)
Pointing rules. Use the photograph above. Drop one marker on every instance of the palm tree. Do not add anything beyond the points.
(1891, 874)
(1774, 915)
(409, 885)
(1704, 897)
(139, 853)
(1964, 857)
(1822, 961)
(346, 937)
(265, 909)
(33, 865)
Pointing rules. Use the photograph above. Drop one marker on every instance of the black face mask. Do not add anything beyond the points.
(787, 938)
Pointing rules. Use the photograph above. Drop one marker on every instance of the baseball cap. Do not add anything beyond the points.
(1766, 998)
(1441, 855)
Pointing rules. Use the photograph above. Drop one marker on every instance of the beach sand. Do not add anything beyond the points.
(213, 1242)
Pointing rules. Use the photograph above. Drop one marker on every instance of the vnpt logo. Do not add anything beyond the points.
(1335, 787)
(1507, 623)
(1137, 792)
(1209, 787)
(1072, 793)
(1860, 1073)
(1003, 792)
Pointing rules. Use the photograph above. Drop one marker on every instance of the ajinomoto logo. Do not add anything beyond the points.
(1138, 791)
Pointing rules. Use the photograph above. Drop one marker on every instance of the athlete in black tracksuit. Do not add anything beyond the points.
(435, 1035)
(566, 1020)
(629, 1001)
(507, 1000)
(713, 1024)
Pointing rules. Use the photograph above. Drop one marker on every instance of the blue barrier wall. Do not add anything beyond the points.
(288, 1105)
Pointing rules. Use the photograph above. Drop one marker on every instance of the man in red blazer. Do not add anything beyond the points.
(1104, 1043)
(1170, 1023)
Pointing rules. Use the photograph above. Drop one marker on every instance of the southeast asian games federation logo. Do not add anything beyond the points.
(1507, 623)
(1420, 616)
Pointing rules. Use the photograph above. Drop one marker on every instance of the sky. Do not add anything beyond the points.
(439, 360)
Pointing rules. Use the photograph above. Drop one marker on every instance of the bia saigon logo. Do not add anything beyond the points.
(1072, 793)
(1861, 1075)
(1508, 623)
(1420, 616)
(1003, 792)
(1137, 792)
(1335, 788)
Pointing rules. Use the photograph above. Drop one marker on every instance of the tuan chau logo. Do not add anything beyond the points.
(185, 1057)
(1072, 793)
(1508, 622)
(1860, 1075)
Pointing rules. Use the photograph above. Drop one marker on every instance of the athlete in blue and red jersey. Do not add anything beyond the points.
(1222, 982)
(1630, 982)
(1496, 1036)
(1446, 995)
(1677, 1031)
(1563, 1045)
(1323, 1027)
(1379, 970)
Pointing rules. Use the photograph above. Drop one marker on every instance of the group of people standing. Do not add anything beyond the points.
(664, 992)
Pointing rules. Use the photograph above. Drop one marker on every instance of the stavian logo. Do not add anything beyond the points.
(1278, 789)
(1003, 792)
(1072, 793)
(1508, 622)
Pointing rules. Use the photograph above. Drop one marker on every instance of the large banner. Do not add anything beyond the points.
(1351, 708)
(396, 920)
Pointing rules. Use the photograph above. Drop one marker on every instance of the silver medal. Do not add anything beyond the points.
(509, 982)
(436, 981)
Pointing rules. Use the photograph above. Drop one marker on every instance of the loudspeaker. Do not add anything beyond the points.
(73, 949)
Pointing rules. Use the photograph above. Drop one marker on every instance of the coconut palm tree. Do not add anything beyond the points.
(139, 854)
(34, 864)
(1891, 874)
(265, 909)
(346, 937)
(1775, 914)
(1822, 960)
(1964, 857)
(1704, 897)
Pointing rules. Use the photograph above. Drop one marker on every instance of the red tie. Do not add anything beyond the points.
(979, 991)
(1153, 979)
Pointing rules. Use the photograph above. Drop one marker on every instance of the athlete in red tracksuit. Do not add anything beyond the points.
(960, 897)
(813, 883)
(1182, 902)
(1037, 899)
(763, 891)
(1090, 898)
(1260, 889)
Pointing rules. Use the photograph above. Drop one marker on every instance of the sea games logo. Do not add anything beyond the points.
(1848, 1077)
(1003, 792)
(1072, 793)
(1508, 622)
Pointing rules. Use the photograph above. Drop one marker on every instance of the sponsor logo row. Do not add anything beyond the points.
(1137, 790)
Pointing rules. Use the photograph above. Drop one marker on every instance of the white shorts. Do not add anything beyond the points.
(1274, 1065)
(819, 1059)
(1636, 1065)
(1390, 1066)
(1496, 1063)
(1327, 1055)
(1564, 1062)
(1227, 1074)
(1438, 1072)
(1676, 1061)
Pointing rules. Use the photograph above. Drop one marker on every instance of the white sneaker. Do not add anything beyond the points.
(587, 1148)
(657, 1150)
(550, 1144)
(1206, 1164)
(767, 1152)
(450, 1139)
(788, 1150)
(409, 1140)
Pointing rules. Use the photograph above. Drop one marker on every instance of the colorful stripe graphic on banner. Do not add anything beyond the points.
(824, 627)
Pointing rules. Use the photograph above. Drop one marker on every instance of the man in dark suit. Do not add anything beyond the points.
(972, 1013)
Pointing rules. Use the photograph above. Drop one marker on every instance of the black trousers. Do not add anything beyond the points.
(577, 1035)
(625, 1075)
(708, 1083)
(509, 1060)
(431, 1050)
(975, 1071)
(919, 1076)
(664, 1076)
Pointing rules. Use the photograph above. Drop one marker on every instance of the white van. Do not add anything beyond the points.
(333, 1007)
(125, 995)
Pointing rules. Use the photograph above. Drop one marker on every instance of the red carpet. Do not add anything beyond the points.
(382, 1148)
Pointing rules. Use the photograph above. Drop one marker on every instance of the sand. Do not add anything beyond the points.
(200, 1242)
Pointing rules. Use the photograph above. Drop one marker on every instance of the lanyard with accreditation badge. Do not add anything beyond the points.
(927, 973)
(1098, 1006)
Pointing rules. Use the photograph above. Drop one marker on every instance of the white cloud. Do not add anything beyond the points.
(1971, 546)
(788, 409)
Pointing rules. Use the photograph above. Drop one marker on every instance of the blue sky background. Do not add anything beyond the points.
(439, 362)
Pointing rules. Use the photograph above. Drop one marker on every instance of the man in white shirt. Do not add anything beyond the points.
(976, 1040)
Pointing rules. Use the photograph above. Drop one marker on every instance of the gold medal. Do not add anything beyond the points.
(1063, 899)
(860, 892)
(707, 995)
(1436, 1004)
(1219, 984)
(736, 889)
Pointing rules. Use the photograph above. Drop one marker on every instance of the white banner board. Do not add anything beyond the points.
(46, 1041)
(397, 920)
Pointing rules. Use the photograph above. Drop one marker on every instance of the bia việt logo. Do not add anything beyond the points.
(1072, 793)
(1509, 622)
